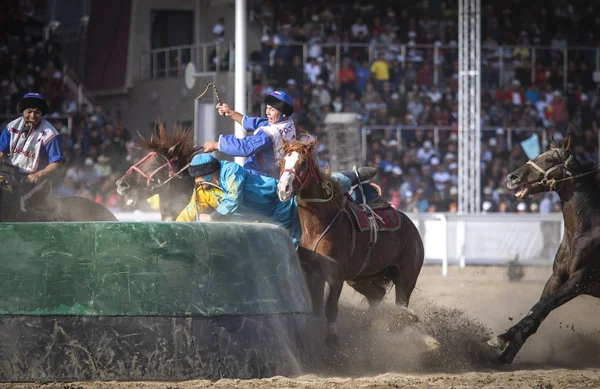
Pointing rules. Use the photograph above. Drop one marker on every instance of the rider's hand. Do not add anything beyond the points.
(33, 178)
(205, 217)
(224, 110)
(210, 147)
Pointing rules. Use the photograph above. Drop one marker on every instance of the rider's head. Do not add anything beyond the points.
(33, 106)
(202, 167)
(278, 103)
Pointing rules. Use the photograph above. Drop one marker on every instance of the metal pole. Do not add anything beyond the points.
(241, 61)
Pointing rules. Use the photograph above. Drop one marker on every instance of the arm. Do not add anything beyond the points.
(249, 123)
(55, 160)
(235, 195)
(4, 143)
(244, 147)
(189, 212)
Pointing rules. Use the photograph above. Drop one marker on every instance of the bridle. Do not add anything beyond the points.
(150, 177)
(311, 172)
(551, 182)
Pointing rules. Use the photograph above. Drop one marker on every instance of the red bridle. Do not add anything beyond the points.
(149, 177)
(311, 172)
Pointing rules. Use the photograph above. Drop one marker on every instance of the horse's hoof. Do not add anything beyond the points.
(431, 343)
(332, 341)
(498, 343)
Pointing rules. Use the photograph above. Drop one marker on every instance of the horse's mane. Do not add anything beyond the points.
(180, 143)
(304, 149)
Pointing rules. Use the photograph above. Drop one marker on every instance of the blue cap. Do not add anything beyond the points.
(281, 101)
(203, 165)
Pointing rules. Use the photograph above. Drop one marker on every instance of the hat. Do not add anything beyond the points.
(203, 165)
(408, 193)
(33, 100)
(453, 166)
(427, 143)
(397, 170)
(521, 206)
(281, 101)
(435, 161)
(486, 205)
(88, 162)
(291, 81)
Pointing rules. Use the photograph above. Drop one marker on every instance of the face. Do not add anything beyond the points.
(202, 182)
(288, 184)
(273, 115)
(527, 180)
(134, 184)
(32, 115)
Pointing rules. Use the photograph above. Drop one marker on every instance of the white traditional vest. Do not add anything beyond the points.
(279, 132)
(25, 147)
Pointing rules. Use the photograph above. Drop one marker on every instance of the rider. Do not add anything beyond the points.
(33, 145)
(264, 146)
(228, 188)
(30, 142)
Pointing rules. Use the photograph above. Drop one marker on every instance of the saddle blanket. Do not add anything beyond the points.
(390, 218)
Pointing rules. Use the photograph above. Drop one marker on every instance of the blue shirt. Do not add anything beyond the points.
(258, 148)
(253, 194)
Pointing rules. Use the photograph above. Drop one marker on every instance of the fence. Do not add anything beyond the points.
(470, 240)
(497, 67)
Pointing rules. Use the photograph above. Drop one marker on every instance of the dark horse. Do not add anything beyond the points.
(19, 203)
(162, 171)
(576, 269)
(342, 252)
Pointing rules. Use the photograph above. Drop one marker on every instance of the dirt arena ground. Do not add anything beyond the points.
(461, 311)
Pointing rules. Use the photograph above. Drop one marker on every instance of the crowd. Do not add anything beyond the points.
(418, 171)
(412, 87)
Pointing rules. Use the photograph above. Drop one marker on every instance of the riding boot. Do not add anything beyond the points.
(364, 174)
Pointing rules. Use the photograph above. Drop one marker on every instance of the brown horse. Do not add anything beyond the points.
(333, 250)
(162, 171)
(24, 202)
(576, 269)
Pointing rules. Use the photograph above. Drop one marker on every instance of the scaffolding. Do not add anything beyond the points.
(469, 107)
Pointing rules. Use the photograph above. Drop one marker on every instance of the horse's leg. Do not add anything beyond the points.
(331, 311)
(371, 287)
(528, 326)
(557, 279)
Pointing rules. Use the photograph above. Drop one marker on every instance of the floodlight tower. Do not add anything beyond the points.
(469, 106)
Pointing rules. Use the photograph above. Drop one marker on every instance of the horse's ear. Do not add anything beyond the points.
(311, 145)
(172, 148)
(567, 145)
(553, 144)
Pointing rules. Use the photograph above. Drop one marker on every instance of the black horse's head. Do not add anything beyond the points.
(545, 172)
(167, 155)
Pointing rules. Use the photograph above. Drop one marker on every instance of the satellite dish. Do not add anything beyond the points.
(190, 75)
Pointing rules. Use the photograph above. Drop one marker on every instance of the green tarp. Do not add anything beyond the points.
(156, 269)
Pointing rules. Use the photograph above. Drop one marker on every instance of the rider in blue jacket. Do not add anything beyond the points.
(242, 193)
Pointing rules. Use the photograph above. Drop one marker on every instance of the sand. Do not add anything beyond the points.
(461, 311)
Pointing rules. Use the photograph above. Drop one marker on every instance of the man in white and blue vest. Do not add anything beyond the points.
(31, 143)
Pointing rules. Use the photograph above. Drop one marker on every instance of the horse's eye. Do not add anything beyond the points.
(549, 160)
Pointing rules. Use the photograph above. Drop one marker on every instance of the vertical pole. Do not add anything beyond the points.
(241, 61)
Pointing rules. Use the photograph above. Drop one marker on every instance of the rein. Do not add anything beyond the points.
(312, 172)
(149, 177)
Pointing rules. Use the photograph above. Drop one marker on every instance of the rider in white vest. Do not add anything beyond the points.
(30, 142)
(263, 147)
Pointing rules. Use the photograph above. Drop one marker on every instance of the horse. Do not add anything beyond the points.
(576, 269)
(334, 247)
(162, 171)
(19, 202)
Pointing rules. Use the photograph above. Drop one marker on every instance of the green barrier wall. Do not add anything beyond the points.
(149, 269)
